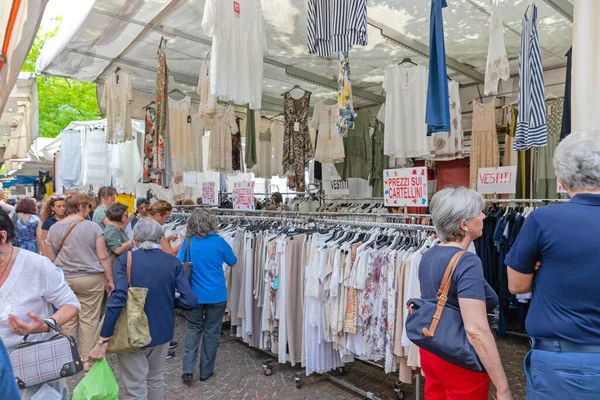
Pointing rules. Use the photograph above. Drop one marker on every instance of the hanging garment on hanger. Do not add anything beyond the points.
(208, 104)
(264, 152)
(544, 178)
(70, 157)
(162, 81)
(252, 129)
(531, 125)
(180, 136)
(238, 46)
(406, 100)
(497, 61)
(358, 148)
(449, 145)
(336, 26)
(150, 174)
(346, 115)
(220, 142)
(329, 146)
(236, 148)
(297, 147)
(126, 166)
(379, 161)
(95, 166)
(277, 133)
(116, 100)
(437, 114)
(485, 152)
(566, 118)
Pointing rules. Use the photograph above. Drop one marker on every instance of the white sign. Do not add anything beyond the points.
(208, 193)
(340, 187)
(191, 179)
(243, 195)
(560, 188)
(501, 180)
(405, 187)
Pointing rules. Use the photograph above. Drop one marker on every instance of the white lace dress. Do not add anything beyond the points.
(116, 99)
(181, 141)
(497, 60)
(449, 145)
(220, 143)
(207, 107)
(329, 144)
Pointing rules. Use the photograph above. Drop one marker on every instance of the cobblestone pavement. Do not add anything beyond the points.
(239, 375)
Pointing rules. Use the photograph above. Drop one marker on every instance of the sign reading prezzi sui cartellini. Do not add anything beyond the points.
(502, 180)
(405, 187)
(208, 193)
(243, 195)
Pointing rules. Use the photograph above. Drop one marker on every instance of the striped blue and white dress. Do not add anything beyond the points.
(336, 25)
(532, 130)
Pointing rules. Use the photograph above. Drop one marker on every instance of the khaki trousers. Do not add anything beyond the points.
(89, 290)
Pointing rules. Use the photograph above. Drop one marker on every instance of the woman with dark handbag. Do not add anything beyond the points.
(452, 282)
(29, 285)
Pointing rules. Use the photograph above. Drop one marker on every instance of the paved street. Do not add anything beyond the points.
(239, 375)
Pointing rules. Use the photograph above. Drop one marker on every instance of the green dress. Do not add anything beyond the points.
(380, 160)
(544, 179)
(358, 148)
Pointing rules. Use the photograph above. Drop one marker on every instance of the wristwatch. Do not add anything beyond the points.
(103, 341)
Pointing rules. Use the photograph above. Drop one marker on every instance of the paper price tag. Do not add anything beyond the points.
(296, 126)
(236, 8)
(276, 283)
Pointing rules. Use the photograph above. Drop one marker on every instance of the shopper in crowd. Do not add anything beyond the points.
(7, 381)
(53, 210)
(30, 285)
(457, 214)
(28, 226)
(4, 205)
(277, 203)
(76, 245)
(107, 196)
(141, 211)
(555, 256)
(160, 211)
(207, 251)
(143, 370)
(115, 237)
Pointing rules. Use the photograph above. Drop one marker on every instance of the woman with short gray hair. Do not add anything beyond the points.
(143, 370)
(208, 252)
(457, 214)
(555, 256)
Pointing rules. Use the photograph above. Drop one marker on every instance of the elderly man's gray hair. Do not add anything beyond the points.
(577, 160)
(147, 233)
(200, 224)
(450, 206)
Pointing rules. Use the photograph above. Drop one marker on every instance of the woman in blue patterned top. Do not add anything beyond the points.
(27, 225)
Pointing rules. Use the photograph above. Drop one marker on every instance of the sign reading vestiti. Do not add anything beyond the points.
(502, 180)
(243, 195)
(208, 193)
(405, 187)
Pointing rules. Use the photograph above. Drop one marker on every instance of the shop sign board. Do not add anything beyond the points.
(502, 180)
(208, 193)
(405, 187)
(339, 187)
(243, 195)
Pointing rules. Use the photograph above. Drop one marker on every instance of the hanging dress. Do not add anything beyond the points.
(329, 146)
(531, 124)
(181, 143)
(220, 140)
(264, 153)
(544, 178)
(116, 98)
(497, 61)
(162, 81)
(485, 152)
(236, 148)
(207, 107)
(448, 145)
(150, 174)
(297, 147)
(346, 115)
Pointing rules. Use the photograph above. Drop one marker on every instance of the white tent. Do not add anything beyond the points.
(23, 17)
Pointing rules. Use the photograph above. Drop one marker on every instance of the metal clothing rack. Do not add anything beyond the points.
(268, 364)
(321, 214)
(529, 201)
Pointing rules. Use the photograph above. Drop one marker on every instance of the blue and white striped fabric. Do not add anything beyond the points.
(336, 25)
(532, 130)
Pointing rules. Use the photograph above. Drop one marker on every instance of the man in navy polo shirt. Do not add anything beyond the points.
(564, 315)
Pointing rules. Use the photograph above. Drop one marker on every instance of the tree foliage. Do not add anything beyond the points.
(61, 100)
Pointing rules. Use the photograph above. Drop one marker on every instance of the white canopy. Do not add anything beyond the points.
(24, 16)
(105, 33)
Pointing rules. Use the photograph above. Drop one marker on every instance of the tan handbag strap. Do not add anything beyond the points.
(68, 233)
(129, 268)
(442, 294)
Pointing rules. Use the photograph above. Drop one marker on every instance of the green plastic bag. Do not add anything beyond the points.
(98, 384)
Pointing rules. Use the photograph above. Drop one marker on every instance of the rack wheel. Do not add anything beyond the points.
(340, 370)
(400, 395)
(298, 382)
(268, 370)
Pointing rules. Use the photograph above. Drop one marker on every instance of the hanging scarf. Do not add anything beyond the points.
(345, 120)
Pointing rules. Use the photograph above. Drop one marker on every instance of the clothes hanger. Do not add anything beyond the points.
(408, 60)
(176, 90)
(148, 105)
(117, 72)
(296, 87)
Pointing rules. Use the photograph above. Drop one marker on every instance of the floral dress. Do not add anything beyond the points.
(297, 146)
(26, 233)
